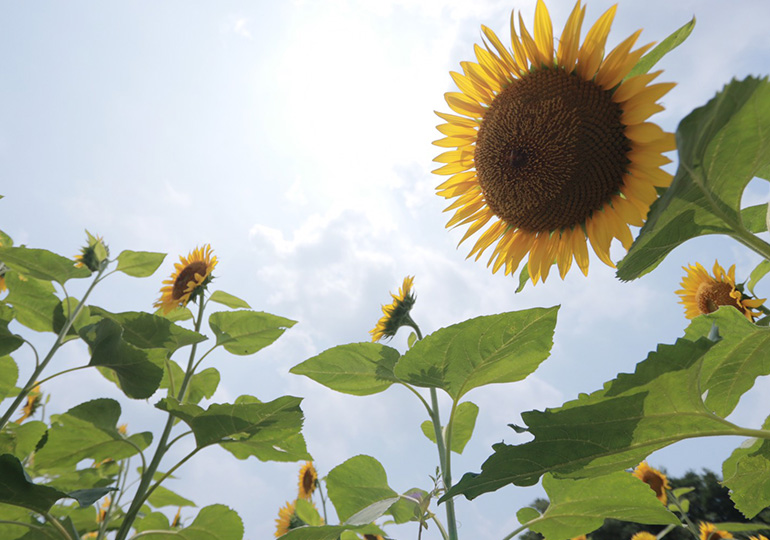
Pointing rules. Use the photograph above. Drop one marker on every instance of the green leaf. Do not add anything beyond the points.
(307, 513)
(411, 340)
(87, 497)
(359, 490)
(523, 278)
(17, 489)
(327, 532)
(747, 474)
(274, 424)
(9, 375)
(9, 342)
(485, 350)
(228, 300)
(246, 332)
(34, 302)
(88, 431)
(202, 384)
(664, 47)
(360, 369)
(215, 522)
(722, 146)
(139, 371)
(757, 274)
(148, 331)
(139, 263)
(753, 218)
(153, 521)
(165, 497)
(61, 314)
(21, 440)
(527, 514)
(464, 422)
(410, 506)
(742, 526)
(581, 506)
(41, 264)
(612, 429)
(175, 315)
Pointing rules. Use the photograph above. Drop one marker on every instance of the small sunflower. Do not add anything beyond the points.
(3, 270)
(190, 277)
(373, 537)
(758, 537)
(701, 293)
(644, 535)
(34, 398)
(709, 532)
(93, 254)
(552, 147)
(395, 314)
(653, 478)
(307, 480)
(287, 520)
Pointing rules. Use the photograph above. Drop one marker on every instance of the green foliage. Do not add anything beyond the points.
(327, 532)
(755, 218)
(18, 490)
(485, 350)
(148, 331)
(165, 497)
(9, 374)
(747, 473)
(246, 332)
(359, 490)
(462, 427)
(215, 522)
(722, 146)
(664, 47)
(34, 302)
(227, 299)
(359, 369)
(139, 263)
(41, 264)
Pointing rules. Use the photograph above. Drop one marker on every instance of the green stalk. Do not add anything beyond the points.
(55, 347)
(147, 475)
(751, 241)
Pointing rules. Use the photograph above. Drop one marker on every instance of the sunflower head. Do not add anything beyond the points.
(644, 535)
(550, 148)
(34, 399)
(703, 293)
(94, 254)
(190, 277)
(653, 478)
(709, 532)
(307, 480)
(396, 314)
(287, 520)
(373, 537)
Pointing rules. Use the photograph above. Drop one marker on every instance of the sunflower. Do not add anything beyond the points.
(644, 535)
(709, 532)
(758, 537)
(551, 147)
(3, 269)
(93, 254)
(287, 520)
(373, 537)
(395, 314)
(190, 277)
(307, 480)
(34, 398)
(653, 478)
(701, 293)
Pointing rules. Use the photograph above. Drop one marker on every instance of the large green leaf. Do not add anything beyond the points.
(664, 47)
(215, 522)
(17, 489)
(246, 332)
(732, 365)
(359, 369)
(722, 146)
(165, 497)
(249, 423)
(21, 439)
(139, 371)
(9, 342)
(747, 473)
(229, 300)
(88, 431)
(755, 218)
(148, 331)
(34, 302)
(462, 426)
(202, 384)
(579, 506)
(328, 532)
(359, 490)
(611, 429)
(139, 263)
(9, 374)
(41, 264)
(492, 349)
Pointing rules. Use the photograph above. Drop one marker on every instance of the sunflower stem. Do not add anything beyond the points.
(751, 241)
(142, 491)
(55, 347)
(690, 525)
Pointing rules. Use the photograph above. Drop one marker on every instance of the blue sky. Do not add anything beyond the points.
(294, 137)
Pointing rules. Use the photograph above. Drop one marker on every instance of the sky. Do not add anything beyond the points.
(295, 138)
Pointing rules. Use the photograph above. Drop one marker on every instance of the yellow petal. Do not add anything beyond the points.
(529, 43)
(612, 63)
(624, 67)
(502, 51)
(458, 120)
(627, 211)
(453, 130)
(462, 104)
(633, 85)
(492, 63)
(482, 77)
(580, 249)
(475, 226)
(590, 54)
(569, 44)
(544, 33)
(519, 52)
(451, 168)
(600, 237)
(467, 87)
(564, 253)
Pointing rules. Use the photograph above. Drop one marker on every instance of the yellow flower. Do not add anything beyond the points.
(653, 478)
(307, 480)
(177, 522)
(758, 537)
(552, 147)
(701, 293)
(287, 520)
(395, 314)
(373, 537)
(709, 532)
(34, 398)
(103, 510)
(190, 277)
(93, 254)
(644, 535)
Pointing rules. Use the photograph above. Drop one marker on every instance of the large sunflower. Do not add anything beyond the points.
(708, 531)
(190, 276)
(287, 520)
(702, 293)
(396, 314)
(307, 480)
(552, 147)
(653, 478)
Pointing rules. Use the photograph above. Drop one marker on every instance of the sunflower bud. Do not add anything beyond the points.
(396, 314)
(94, 255)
